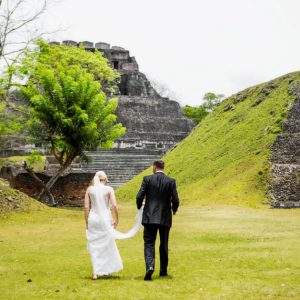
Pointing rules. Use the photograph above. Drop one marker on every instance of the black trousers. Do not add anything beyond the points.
(150, 233)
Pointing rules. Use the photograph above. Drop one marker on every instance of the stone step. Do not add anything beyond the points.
(117, 174)
(117, 164)
(125, 158)
(123, 161)
(120, 165)
(125, 152)
(122, 158)
(122, 174)
(114, 171)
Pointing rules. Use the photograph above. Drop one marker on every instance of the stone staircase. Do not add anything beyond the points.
(120, 165)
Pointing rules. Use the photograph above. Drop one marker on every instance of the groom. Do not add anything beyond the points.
(161, 199)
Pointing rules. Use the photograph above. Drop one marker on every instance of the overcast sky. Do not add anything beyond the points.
(193, 46)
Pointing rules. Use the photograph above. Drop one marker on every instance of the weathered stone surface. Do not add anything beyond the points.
(117, 48)
(68, 190)
(54, 43)
(286, 149)
(102, 46)
(151, 123)
(292, 124)
(285, 170)
(130, 67)
(134, 83)
(70, 43)
(285, 185)
(87, 45)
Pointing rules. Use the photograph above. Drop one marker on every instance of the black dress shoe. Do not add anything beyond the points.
(149, 273)
(163, 273)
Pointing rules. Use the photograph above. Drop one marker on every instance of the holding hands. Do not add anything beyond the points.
(115, 223)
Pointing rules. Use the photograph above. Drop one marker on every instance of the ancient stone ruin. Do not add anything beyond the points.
(285, 170)
(152, 122)
(154, 125)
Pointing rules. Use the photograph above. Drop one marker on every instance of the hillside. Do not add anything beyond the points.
(225, 159)
(14, 200)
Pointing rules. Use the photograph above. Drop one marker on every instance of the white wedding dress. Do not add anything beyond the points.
(100, 234)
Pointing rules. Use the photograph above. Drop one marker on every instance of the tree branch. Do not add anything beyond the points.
(56, 155)
(12, 25)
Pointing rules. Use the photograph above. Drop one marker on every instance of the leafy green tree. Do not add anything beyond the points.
(211, 100)
(10, 123)
(196, 113)
(69, 110)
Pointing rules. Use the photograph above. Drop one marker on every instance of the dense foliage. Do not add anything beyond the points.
(198, 113)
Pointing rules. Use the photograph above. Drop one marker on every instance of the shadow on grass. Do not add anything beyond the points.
(138, 278)
(64, 207)
(154, 278)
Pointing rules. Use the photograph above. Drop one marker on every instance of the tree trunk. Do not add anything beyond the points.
(54, 178)
(40, 182)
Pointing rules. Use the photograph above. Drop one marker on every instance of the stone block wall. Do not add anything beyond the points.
(69, 189)
(285, 169)
(151, 123)
(120, 166)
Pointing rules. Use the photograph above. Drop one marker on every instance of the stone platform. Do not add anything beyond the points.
(285, 169)
(151, 122)
(120, 166)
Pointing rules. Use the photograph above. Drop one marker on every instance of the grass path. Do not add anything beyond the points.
(216, 252)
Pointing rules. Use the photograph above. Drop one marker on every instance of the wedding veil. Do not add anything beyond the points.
(116, 234)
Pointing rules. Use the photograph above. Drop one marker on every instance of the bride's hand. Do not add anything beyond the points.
(115, 224)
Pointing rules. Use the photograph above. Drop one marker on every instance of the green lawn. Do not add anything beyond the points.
(216, 252)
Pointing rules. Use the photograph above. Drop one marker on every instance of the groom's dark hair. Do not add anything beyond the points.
(159, 164)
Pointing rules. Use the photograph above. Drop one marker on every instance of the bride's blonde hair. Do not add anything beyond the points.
(102, 176)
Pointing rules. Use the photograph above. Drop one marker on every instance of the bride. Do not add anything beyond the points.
(101, 230)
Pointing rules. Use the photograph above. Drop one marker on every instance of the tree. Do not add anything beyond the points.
(18, 29)
(163, 90)
(17, 19)
(198, 113)
(211, 100)
(9, 123)
(69, 111)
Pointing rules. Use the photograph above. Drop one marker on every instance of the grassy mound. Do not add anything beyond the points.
(225, 159)
(14, 200)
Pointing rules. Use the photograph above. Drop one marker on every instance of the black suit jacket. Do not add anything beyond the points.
(161, 199)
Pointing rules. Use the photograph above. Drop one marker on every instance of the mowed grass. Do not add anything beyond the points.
(216, 252)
